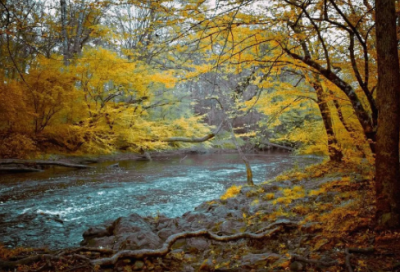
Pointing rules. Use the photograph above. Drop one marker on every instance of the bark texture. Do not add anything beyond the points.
(63, 5)
(335, 154)
(346, 124)
(387, 184)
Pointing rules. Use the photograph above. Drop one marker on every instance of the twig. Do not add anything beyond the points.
(182, 159)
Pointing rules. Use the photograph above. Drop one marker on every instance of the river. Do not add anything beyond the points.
(54, 207)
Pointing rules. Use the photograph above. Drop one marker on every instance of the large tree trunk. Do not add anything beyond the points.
(335, 154)
(387, 184)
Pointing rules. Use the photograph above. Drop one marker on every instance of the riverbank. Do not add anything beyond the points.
(320, 218)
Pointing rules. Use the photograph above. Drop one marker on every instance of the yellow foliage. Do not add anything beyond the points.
(317, 192)
(269, 196)
(231, 192)
(289, 195)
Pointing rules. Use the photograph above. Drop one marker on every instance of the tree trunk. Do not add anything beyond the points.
(79, 29)
(64, 31)
(335, 154)
(387, 184)
(367, 122)
(346, 124)
(249, 172)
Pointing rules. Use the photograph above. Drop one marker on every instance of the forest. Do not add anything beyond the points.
(85, 82)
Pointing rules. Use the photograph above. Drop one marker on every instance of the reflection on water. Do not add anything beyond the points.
(53, 208)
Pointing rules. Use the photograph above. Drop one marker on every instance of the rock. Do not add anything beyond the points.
(165, 233)
(207, 265)
(195, 221)
(139, 239)
(233, 203)
(205, 207)
(188, 268)
(245, 190)
(103, 242)
(230, 227)
(197, 244)
(138, 265)
(132, 223)
(296, 266)
(260, 260)
(269, 187)
(131, 232)
(96, 232)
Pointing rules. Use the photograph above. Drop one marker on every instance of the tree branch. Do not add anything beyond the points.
(195, 140)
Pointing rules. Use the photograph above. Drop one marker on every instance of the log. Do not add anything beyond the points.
(20, 169)
(43, 162)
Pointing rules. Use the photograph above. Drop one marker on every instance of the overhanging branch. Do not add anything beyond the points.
(195, 140)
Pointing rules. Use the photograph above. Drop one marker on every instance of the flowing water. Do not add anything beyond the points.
(53, 208)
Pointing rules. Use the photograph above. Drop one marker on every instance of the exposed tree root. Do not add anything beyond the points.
(141, 253)
(42, 162)
(166, 248)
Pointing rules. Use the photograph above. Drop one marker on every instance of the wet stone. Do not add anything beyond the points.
(138, 265)
(96, 232)
(197, 244)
